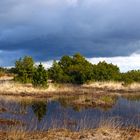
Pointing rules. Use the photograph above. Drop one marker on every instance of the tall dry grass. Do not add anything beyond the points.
(110, 85)
(9, 87)
(106, 131)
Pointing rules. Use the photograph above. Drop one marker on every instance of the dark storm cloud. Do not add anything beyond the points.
(47, 29)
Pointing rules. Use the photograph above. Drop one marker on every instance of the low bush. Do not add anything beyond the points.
(40, 77)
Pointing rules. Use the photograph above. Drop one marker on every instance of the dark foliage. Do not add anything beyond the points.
(40, 77)
(131, 76)
(106, 72)
(5, 71)
(74, 69)
(78, 70)
(24, 68)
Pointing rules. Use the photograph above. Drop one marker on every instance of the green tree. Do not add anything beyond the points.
(57, 74)
(130, 77)
(81, 70)
(24, 68)
(78, 70)
(74, 69)
(105, 72)
(79, 59)
(40, 77)
(65, 62)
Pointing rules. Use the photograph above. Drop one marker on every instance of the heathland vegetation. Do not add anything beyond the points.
(70, 69)
(74, 83)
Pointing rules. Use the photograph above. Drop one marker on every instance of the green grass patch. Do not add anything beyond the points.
(107, 99)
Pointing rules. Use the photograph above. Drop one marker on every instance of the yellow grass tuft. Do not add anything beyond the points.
(110, 85)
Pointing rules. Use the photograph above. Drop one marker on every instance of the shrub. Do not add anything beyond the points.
(78, 70)
(130, 77)
(57, 74)
(40, 77)
(3, 71)
(74, 69)
(24, 68)
(105, 72)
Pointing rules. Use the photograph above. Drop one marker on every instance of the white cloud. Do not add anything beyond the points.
(125, 63)
(47, 64)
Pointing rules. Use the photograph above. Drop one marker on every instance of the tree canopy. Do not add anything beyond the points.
(77, 69)
(40, 76)
(70, 69)
(24, 68)
(106, 72)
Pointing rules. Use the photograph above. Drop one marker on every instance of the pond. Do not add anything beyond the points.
(43, 115)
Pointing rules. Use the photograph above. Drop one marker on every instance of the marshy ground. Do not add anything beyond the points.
(102, 133)
(92, 111)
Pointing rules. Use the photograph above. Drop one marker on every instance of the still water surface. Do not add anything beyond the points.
(43, 115)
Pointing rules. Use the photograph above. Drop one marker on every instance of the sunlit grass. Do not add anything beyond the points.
(8, 86)
(108, 129)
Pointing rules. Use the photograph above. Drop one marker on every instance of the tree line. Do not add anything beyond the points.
(70, 69)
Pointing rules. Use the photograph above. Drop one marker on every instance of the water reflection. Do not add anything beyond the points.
(39, 109)
(62, 113)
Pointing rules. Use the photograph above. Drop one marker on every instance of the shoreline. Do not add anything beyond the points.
(92, 94)
(97, 94)
(11, 88)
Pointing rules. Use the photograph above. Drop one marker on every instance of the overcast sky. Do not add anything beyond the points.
(48, 29)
